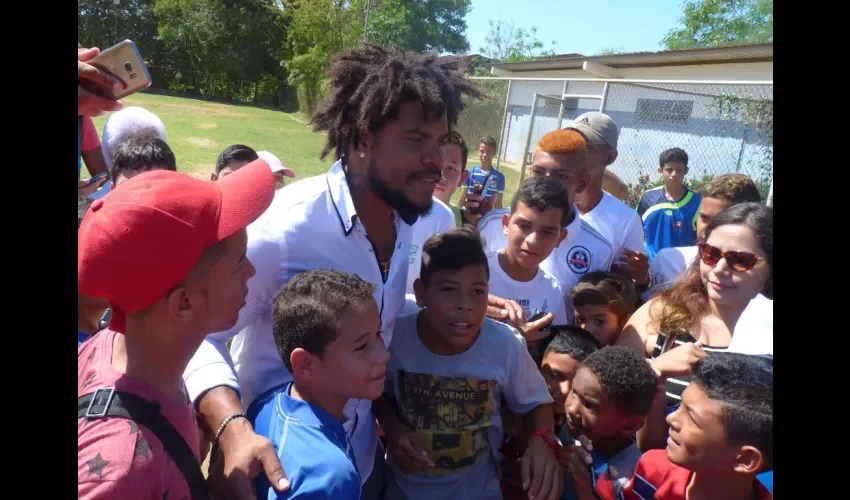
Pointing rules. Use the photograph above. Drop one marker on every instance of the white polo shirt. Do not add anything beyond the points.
(667, 266)
(439, 220)
(582, 251)
(617, 223)
(310, 224)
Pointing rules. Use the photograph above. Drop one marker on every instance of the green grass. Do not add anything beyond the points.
(199, 130)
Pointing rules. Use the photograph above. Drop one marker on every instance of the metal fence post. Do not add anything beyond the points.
(561, 108)
(770, 194)
(504, 124)
(604, 100)
(528, 137)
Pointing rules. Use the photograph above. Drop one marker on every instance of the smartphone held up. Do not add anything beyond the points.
(124, 62)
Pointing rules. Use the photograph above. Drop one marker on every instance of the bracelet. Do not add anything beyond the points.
(224, 424)
(547, 436)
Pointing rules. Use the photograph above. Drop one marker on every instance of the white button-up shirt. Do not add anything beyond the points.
(310, 224)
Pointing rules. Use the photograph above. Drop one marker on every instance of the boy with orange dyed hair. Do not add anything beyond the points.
(561, 154)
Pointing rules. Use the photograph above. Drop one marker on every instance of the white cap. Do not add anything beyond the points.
(273, 161)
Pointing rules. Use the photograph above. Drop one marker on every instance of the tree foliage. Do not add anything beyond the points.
(714, 23)
(507, 43)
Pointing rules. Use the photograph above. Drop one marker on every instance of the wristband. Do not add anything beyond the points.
(550, 439)
(224, 424)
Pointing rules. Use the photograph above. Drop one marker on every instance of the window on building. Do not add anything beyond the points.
(664, 111)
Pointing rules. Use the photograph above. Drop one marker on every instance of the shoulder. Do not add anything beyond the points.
(316, 466)
(614, 205)
(651, 195)
(503, 335)
(404, 331)
(498, 173)
(550, 280)
(117, 459)
(442, 213)
(493, 217)
(652, 471)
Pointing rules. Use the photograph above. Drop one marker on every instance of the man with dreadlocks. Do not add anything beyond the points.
(387, 115)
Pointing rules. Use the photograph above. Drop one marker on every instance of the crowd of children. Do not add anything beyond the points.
(513, 352)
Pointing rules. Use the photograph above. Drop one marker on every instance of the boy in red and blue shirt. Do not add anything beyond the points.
(721, 436)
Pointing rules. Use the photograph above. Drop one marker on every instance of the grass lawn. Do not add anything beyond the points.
(199, 130)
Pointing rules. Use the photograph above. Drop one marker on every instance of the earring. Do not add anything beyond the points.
(362, 154)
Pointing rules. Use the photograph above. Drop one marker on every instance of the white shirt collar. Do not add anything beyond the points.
(341, 196)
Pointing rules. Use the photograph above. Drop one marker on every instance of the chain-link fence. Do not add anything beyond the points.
(724, 126)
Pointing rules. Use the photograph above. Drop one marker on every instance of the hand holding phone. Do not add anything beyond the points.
(124, 63)
(93, 86)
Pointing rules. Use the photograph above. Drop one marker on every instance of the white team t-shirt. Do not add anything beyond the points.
(582, 251)
(439, 220)
(753, 333)
(542, 294)
(618, 223)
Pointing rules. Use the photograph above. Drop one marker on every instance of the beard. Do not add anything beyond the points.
(407, 210)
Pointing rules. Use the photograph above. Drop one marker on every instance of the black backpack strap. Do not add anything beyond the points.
(107, 402)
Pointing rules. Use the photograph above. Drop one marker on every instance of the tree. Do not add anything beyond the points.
(506, 43)
(102, 24)
(420, 25)
(609, 51)
(714, 23)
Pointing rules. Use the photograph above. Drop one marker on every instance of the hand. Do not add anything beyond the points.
(678, 361)
(582, 451)
(244, 456)
(89, 103)
(86, 189)
(535, 331)
(579, 471)
(502, 309)
(408, 450)
(633, 264)
(541, 474)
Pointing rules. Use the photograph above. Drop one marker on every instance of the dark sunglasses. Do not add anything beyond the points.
(739, 261)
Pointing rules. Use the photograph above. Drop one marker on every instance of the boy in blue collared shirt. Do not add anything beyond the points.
(327, 330)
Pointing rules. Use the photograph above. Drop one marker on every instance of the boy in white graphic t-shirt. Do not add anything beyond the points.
(533, 228)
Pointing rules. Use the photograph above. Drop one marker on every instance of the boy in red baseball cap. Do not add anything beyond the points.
(168, 253)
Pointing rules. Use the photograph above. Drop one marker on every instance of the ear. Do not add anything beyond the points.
(213, 176)
(366, 141)
(612, 157)
(562, 237)
(687, 169)
(303, 363)
(506, 221)
(749, 460)
(419, 292)
(180, 304)
(631, 425)
(463, 177)
(660, 170)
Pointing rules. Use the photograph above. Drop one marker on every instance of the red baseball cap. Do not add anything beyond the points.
(142, 239)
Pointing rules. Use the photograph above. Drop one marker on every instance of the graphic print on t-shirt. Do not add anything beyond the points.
(450, 414)
(578, 259)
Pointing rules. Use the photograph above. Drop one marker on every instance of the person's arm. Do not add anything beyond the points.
(612, 185)
(638, 333)
(212, 384)
(653, 434)
(90, 148)
(497, 200)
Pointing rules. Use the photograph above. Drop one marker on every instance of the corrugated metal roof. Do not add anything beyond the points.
(712, 55)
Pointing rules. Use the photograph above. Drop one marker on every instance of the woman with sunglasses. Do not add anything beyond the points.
(699, 313)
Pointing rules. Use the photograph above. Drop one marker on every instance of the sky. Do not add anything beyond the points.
(580, 26)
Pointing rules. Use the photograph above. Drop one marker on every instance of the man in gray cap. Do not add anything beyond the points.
(617, 222)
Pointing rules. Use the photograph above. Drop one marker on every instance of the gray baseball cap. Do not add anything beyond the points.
(597, 127)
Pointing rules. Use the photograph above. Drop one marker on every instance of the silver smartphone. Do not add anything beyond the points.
(125, 63)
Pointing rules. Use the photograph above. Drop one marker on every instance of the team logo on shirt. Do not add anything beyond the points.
(578, 259)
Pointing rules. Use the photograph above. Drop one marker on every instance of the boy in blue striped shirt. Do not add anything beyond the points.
(327, 330)
(669, 212)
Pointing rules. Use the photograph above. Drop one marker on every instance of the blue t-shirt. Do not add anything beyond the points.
(454, 404)
(492, 180)
(668, 223)
(81, 337)
(311, 444)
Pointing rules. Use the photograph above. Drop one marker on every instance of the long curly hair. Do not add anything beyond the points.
(686, 302)
(368, 83)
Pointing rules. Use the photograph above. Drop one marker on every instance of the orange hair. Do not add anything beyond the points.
(565, 141)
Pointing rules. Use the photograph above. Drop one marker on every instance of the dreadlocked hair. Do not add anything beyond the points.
(368, 83)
